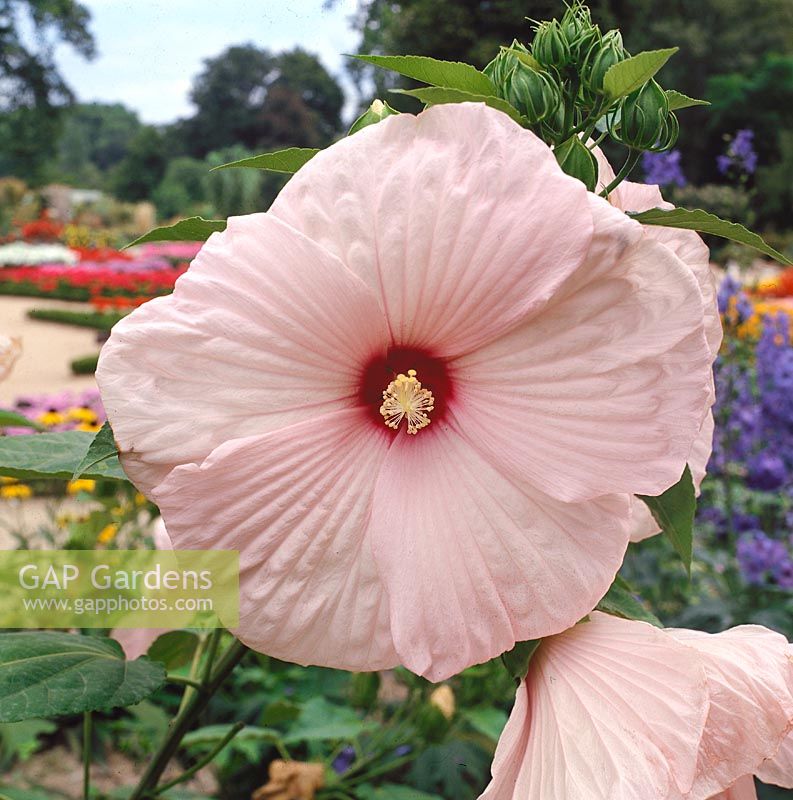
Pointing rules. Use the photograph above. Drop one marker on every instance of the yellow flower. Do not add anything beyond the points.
(81, 485)
(91, 427)
(81, 414)
(119, 511)
(140, 499)
(50, 418)
(15, 491)
(107, 534)
(5, 480)
(443, 699)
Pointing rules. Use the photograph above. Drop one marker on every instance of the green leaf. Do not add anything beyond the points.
(376, 112)
(704, 222)
(575, 159)
(210, 735)
(21, 739)
(678, 100)
(15, 793)
(621, 601)
(674, 512)
(449, 74)
(47, 674)
(102, 447)
(192, 229)
(436, 95)
(174, 649)
(489, 722)
(517, 660)
(53, 455)
(320, 720)
(392, 791)
(280, 711)
(626, 76)
(10, 419)
(526, 58)
(288, 161)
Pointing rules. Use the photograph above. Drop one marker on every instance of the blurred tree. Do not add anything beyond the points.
(143, 167)
(182, 188)
(249, 96)
(95, 138)
(32, 90)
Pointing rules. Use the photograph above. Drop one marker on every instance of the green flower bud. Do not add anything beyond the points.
(578, 30)
(577, 160)
(600, 60)
(643, 120)
(550, 46)
(499, 68)
(535, 94)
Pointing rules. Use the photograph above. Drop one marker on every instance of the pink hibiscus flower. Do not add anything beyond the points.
(692, 251)
(617, 710)
(547, 357)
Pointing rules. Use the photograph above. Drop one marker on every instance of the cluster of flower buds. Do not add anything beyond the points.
(558, 84)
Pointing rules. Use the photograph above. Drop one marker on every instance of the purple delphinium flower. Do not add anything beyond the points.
(759, 555)
(663, 169)
(765, 471)
(740, 154)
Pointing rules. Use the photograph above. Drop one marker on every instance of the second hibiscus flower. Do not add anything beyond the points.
(416, 395)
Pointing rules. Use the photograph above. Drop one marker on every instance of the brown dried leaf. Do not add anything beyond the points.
(291, 780)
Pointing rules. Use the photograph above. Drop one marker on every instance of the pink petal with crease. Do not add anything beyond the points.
(264, 330)
(458, 218)
(605, 388)
(296, 504)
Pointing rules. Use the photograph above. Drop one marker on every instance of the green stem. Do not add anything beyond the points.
(187, 774)
(630, 162)
(87, 734)
(182, 681)
(185, 719)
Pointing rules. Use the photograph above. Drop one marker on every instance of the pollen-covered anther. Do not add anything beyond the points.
(405, 398)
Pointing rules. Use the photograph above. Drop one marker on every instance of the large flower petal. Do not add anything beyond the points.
(605, 389)
(779, 769)
(296, 504)
(610, 710)
(459, 218)
(742, 789)
(750, 679)
(265, 329)
(474, 561)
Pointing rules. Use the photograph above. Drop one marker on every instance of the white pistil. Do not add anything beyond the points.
(404, 398)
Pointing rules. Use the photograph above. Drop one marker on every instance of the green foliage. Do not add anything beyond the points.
(51, 674)
(433, 95)
(102, 447)
(53, 455)
(702, 221)
(287, 161)
(678, 100)
(517, 660)
(393, 791)
(82, 319)
(142, 168)
(19, 740)
(621, 601)
(628, 75)
(194, 229)
(376, 112)
(86, 365)
(674, 512)
(183, 187)
(449, 74)
(10, 419)
(174, 649)
(576, 160)
(239, 191)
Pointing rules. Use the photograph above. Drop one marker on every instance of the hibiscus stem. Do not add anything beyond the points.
(630, 162)
(181, 724)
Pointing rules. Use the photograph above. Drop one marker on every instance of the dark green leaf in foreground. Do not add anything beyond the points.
(53, 455)
(704, 222)
(211, 735)
(102, 447)
(174, 649)
(192, 229)
(449, 74)
(393, 791)
(674, 512)
(10, 419)
(517, 660)
(678, 100)
(289, 160)
(435, 95)
(47, 674)
(621, 601)
(626, 76)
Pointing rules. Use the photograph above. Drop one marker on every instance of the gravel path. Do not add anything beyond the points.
(47, 349)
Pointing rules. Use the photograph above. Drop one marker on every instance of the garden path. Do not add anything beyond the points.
(47, 349)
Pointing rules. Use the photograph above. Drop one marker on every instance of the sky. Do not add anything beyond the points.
(149, 51)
